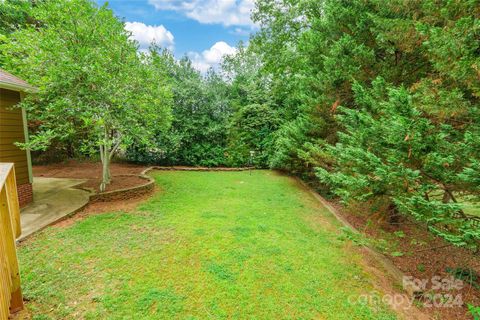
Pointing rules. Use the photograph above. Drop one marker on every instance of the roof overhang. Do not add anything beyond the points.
(17, 87)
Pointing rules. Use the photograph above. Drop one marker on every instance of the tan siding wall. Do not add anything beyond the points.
(11, 130)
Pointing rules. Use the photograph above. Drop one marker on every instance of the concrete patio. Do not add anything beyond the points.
(53, 199)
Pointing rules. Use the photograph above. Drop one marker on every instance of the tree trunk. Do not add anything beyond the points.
(107, 149)
(446, 197)
(106, 177)
(393, 215)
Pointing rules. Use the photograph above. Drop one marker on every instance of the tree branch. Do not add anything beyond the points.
(115, 147)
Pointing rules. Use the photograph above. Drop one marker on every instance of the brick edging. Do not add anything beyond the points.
(125, 193)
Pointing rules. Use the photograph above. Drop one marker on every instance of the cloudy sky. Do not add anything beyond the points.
(204, 30)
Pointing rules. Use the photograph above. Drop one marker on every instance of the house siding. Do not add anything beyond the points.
(11, 131)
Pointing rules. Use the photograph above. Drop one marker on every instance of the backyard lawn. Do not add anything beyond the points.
(207, 245)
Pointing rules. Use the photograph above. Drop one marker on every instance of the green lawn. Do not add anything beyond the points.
(209, 245)
(469, 206)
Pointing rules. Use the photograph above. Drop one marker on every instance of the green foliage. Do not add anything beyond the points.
(379, 102)
(198, 133)
(389, 148)
(357, 238)
(95, 90)
(254, 118)
(421, 267)
(467, 275)
(251, 130)
(218, 118)
(14, 14)
(474, 311)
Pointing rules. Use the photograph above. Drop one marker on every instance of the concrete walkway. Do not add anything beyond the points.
(53, 199)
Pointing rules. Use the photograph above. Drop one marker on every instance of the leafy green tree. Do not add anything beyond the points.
(315, 51)
(390, 149)
(323, 58)
(93, 84)
(251, 129)
(254, 118)
(198, 134)
(14, 15)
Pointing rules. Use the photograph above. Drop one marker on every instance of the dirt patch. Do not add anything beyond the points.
(84, 169)
(92, 171)
(420, 254)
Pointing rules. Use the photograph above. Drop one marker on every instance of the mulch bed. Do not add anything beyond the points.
(424, 257)
(118, 183)
(93, 172)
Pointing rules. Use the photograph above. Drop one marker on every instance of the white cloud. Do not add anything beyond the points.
(240, 31)
(211, 58)
(226, 12)
(146, 34)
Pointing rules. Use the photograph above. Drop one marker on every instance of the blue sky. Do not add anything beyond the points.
(205, 30)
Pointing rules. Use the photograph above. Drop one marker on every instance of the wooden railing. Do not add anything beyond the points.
(10, 292)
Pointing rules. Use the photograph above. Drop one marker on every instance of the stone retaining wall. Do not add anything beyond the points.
(126, 193)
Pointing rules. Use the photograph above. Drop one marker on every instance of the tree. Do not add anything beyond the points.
(325, 60)
(93, 83)
(390, 149)
(198, 134)
(254, 118)
(14, 14)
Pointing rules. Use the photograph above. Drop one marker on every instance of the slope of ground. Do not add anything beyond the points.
(216, 245)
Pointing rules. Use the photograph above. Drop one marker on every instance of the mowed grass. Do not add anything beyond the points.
(209, 245)
(470, 206)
